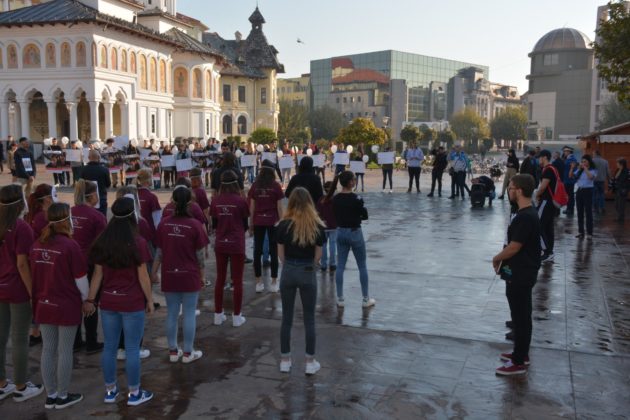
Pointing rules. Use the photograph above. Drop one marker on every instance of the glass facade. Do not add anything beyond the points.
(426, 79)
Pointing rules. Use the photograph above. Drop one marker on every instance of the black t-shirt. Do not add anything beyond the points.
(284, 236)
(215, 182)
(349, 210)
(548, 173)
(524, 229)
(310, 181)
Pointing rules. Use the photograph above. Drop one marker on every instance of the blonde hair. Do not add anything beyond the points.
(144, 177)
(305, 221)
(83, 189)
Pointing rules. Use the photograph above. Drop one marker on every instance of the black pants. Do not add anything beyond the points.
(321, 172)
(89, 322)
(414, 174)
(460, 184)
(359, 178)
(546, 214)
(259, 239)
(621, 196)
(436, 176)
(519, 295)
(387, 173)
(571, 193)
(584, 202)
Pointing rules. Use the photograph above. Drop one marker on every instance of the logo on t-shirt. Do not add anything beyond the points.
(45, 256)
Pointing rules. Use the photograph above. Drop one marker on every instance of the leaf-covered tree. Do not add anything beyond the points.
(469, 125)
(409, 133)
(427, 134)
(509, 125)
(263, 135)
(361, 130)
(612, 49)
(292, 120)
(446, 137)
(326, 122)
(612, 113)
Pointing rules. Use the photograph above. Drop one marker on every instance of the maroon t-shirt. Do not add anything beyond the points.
(121, 290)
(88, 223)
(148, 204)
(144, 229)
(40, 221)
(202, 198)
(193, 208)
(180, 238)
(325, 210)
(17, 241)
(229, 210)
(55, 266)
(266, 204)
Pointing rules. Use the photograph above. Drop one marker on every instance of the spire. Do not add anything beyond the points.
(257, 19)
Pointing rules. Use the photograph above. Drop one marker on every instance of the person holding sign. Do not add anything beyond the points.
(340, 161)
(96, 172)
(25, 169)
(357, 165)
(386, 160)
(414, 157)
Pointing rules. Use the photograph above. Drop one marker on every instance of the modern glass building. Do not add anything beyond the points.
(411, 87)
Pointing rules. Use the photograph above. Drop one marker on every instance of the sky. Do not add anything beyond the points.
(497, 33)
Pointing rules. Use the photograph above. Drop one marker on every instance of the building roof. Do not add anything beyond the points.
(362, 76)
(257, 18)
(190, 44)
(608, 131)
(562, 39)
(192, 21)
(158, 12)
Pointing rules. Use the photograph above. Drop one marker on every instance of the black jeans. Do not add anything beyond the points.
(571, 193)
(259, 239)
(460, 183)
(298, 274)
(621, 196)
(584, 202)
(519, 295)
(546, 214)
(414, 174)
(436, 176)
(89, 322)
(387, 173)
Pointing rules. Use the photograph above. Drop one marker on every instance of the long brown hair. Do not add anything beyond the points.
(36, 201)
(59, 223)
(304, 219)
(11, 206)
(229, 183)
(266, 177)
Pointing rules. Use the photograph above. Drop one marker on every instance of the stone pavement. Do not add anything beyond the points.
(427, 350)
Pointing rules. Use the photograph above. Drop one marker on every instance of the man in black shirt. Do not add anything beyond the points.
(529, 165)
(25, 169)
(546, 207)
(518, 264)
(439, 165)
(96, 172)
(306, 178)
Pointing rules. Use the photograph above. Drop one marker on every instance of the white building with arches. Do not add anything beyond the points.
(93, 69)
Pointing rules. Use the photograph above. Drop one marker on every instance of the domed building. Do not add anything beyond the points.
(560, 78)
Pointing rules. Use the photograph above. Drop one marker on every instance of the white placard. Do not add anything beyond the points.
(183, 165)
(144, 153)
(341, 159)
(358, 167)
(286, 162)
(385, 158)
(86, 154)
(121, 142)
(168, 161)
(247, 161)
(73, 155)
(270, 156)
(319, 161)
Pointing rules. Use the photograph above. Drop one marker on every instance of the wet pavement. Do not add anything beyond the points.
(427, 350)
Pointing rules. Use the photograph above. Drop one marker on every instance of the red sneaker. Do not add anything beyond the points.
(509, 369)
(507, 357)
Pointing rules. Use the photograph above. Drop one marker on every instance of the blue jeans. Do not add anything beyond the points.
(351, 239)
(188, 302)
(598, 195)
(331, 243)
(113, 323)
(298, 274)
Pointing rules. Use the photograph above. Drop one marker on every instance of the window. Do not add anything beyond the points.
(153, 123)
(263, 96)
(227, 124)
(241, 94)
(242, 125)
(207, 126)
(352, 99)
(337, 100)
(358, 99)
(550, 59)
(227, 96)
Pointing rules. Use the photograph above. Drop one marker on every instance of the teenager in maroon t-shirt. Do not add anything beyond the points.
(120, 256)
(265, 209)
(180, 242)
(150, 209)
(229, 212)
(16, 238)
(38, 203)
(60, 286)
(201, 197)
(88, 223)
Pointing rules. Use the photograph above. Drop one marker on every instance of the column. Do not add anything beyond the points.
(139, 126)
(4, 120)
(124, 119)
(5, 5)
(109, 122)
(24, 116)
(94, 129)
(74, 120)
(52, 118)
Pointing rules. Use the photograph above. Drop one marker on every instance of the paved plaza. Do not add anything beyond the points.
(429, 347)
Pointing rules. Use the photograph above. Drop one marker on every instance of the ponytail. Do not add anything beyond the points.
(59, 222)
(181, 199)
(35, 201)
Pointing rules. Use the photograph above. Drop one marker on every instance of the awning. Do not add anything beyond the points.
(614, 138)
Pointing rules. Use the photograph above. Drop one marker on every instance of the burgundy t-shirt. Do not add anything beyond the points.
(88, 223)
(193, 208)
(55, 266)
(266, 204)
(17, 241)
(229, 210)
(180, 238)
(144, 229)
(202, 198)
(121, 290)
(40, 221)
(325, 210)
(148, 204)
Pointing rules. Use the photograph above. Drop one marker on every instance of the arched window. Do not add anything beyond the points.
(31, 58)
(153, 73)
(81, 58)
(132, 63)
(180, 83)
(66, 60)
(169, 71)
(114, 59)
(162, 76)
(51, 55)
(123, 60)
(103, 57)
(208, 84)
(227, 124)
(12, 58)
(197, 90)
(143, 72)
(242, 124)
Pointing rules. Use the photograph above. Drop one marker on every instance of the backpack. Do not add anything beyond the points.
(559, 197)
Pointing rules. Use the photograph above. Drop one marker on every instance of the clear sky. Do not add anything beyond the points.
(497, 33)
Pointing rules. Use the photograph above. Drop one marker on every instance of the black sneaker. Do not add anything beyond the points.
(94, 348)
(78, 346)
(50, 402)
(509, 324)
(332, 268)
(71, 399)
(510, 336)
(33, 341)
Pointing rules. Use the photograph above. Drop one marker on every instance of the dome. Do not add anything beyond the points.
(563, 39)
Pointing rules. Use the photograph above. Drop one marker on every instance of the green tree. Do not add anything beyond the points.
(293, 119)
(361, 130)
(447, 137)
(326, 122)
(613, 113)
(263, 135)
(427, 134)
(468, 125)
(409, 133)
(510, 125)
(613, 51)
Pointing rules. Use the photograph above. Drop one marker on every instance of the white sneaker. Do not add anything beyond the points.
(260, 287)
(391, 191)
(27, 393)
(219, 318)
(341, 302)
(175, 356)
(121, 355)
(197, 312)
(285, 367)
(274, 287)
(238, 320)
(144, 353)
(195, 355)
(312, 367)
(368, 302)
(7, 390)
